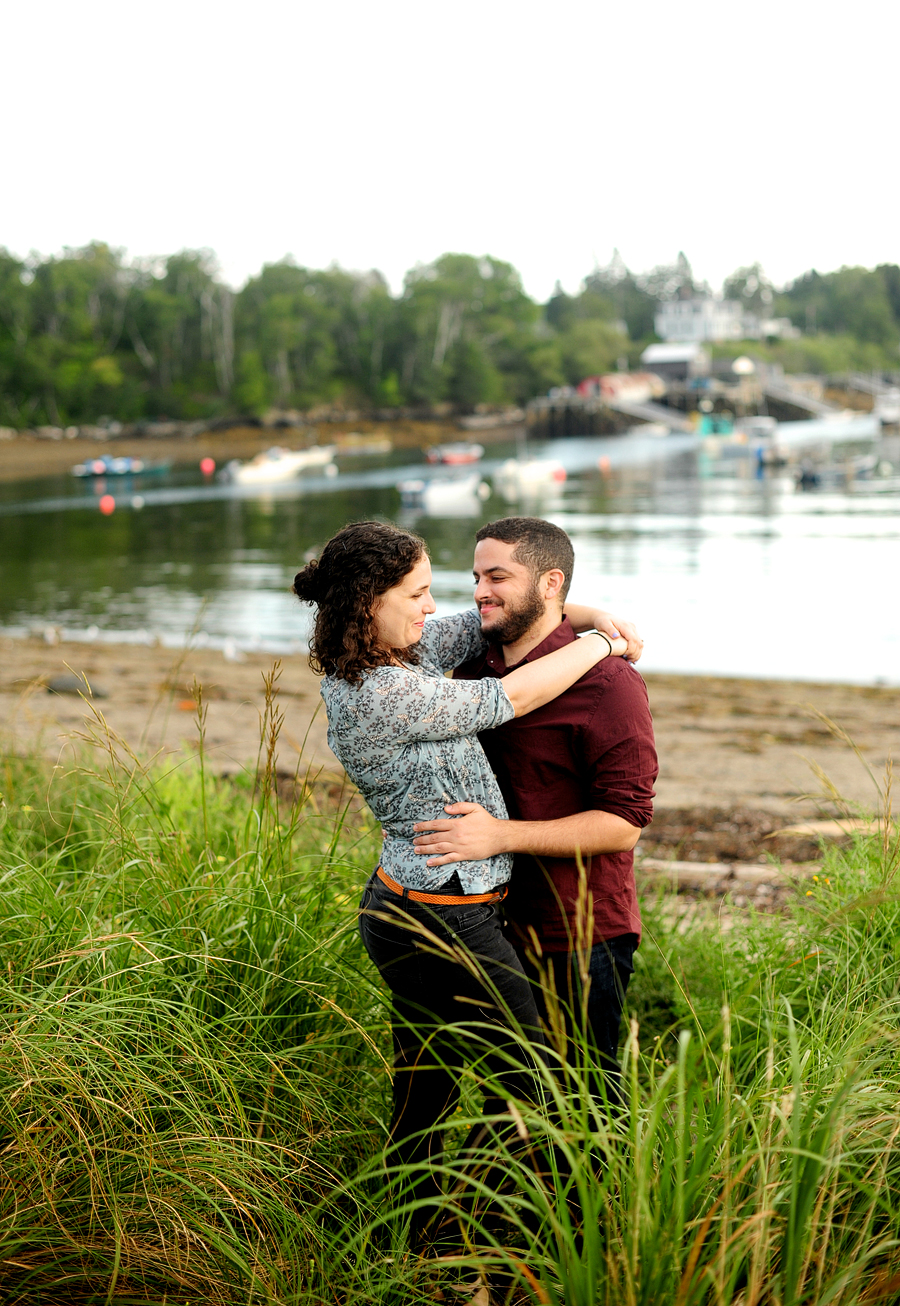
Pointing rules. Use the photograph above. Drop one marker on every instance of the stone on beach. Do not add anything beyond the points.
(70, 684)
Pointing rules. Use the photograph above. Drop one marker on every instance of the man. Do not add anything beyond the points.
(577, 776)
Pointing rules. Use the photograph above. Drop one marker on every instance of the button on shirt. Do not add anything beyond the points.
(407, 738)
(589, 749)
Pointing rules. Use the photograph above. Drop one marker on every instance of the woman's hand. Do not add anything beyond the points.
(583, 619)
(473, 836)
(613, 627)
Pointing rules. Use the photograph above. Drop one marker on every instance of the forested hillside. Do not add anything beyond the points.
(89, 334)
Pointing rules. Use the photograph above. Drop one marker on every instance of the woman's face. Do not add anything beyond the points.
(401, 611)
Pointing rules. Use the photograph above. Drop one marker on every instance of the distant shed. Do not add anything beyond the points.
(676, 362)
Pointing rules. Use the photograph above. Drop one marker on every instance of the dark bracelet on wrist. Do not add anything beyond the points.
(607, 638)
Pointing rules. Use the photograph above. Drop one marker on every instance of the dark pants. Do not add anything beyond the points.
(456, 998)
(582, 1019)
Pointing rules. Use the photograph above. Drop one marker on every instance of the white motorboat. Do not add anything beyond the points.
(277, 464)
(887, 408)
(529, 477)
(460, 496)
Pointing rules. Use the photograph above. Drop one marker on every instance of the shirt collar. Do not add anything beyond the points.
(558, 638)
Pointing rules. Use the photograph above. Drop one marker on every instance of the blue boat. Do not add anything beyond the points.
(106, 465)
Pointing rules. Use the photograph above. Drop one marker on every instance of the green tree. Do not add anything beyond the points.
(592, 304)
(284, 318)
(853, 301)
(752, 288)
(634, 304)
(365, 332)
(19, 395)
(588, 334)
(181, 332)
(673, 281)
(481, 303)
(74, 360)
(890, 276)
(471, 378)
(316, 336)
(589, 348)
(251, 388)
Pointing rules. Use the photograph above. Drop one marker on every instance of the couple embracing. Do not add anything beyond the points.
(511, 797)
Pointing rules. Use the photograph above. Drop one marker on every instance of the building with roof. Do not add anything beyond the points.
(676, 361)
(704, 319)
(699, 319)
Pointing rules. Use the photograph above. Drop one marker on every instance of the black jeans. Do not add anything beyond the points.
(610, 965)
(458, 992)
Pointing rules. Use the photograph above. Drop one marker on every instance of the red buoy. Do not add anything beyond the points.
(107, 505)
(207, 466)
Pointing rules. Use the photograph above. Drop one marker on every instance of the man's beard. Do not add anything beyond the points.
(518, 620)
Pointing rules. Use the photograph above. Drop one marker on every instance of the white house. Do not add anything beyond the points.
(716, 319)
(699, 319)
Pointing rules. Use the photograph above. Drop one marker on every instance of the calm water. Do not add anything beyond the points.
(724, 569)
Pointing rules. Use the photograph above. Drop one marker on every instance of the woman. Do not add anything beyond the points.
(407, 736)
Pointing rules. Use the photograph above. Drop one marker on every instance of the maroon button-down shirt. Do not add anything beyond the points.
(589, 749)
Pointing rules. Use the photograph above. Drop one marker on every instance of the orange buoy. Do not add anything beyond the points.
(107, 505)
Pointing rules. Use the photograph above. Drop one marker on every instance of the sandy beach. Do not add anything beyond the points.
(735, 754)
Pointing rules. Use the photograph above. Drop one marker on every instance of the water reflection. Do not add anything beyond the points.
(727, 570)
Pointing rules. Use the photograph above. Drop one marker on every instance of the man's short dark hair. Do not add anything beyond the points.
(539, 545)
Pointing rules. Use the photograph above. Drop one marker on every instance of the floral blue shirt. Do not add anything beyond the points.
(406, 736)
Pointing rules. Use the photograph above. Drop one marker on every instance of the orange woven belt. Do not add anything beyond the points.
(440, 899)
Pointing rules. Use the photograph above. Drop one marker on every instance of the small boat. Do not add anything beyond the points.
(657, 429)
(456, 454)
(445, 497)
(887, 408)
(529, 477)
(124, 466)
(277, 464)
(863, 467)
(758, 428)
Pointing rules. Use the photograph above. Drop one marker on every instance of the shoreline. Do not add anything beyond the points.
(724, 742)
(53, 633)
(28, 456)
(737, 756)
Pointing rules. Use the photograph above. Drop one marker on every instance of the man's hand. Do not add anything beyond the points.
(471, 837)
(612, 626)
(475, 835)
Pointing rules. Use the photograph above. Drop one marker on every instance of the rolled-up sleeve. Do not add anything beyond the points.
(620, 751)
(395, 705)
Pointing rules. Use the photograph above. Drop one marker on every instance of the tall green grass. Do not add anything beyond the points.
(194, 1078)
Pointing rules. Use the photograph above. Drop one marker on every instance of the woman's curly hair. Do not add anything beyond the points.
(356, 567)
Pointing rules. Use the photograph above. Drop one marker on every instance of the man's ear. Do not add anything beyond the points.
(552, 582)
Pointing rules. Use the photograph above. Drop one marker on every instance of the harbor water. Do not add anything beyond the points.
(728, 567)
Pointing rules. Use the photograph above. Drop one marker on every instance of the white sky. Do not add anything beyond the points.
(382, 134)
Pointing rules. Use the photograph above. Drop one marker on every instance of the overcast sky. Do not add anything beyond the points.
(382, 134)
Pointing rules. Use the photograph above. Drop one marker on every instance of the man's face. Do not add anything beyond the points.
(507, 594)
